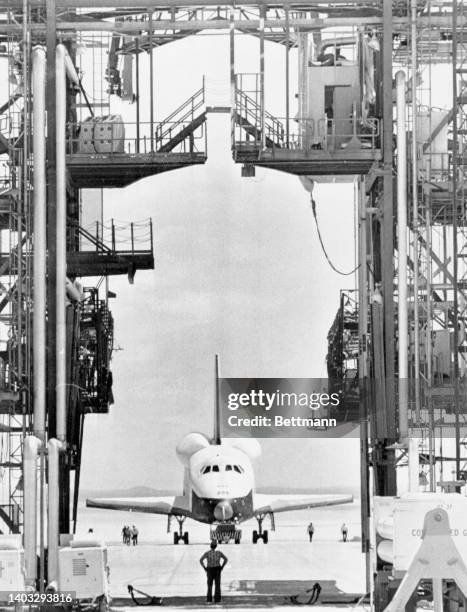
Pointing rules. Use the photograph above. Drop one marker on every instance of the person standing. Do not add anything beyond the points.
(213, 562)
(126, 535)
(134, 535)
(344, 532)
(311, 531)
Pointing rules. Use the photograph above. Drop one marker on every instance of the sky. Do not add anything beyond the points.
(238, 272)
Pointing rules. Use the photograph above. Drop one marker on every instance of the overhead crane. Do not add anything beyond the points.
(419, 396)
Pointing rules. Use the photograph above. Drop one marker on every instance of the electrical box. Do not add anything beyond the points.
(83, 569)
(12, 571)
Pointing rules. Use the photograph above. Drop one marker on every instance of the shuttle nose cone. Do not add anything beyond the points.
(223, 511)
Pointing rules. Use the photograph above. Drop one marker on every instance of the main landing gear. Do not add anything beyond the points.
(181, 535)
(260, 534)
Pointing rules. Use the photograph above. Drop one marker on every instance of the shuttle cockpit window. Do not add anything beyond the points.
(238, 469)
(206, 469)
(215, 468)
(228, 468)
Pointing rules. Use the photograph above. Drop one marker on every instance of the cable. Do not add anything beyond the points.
(313, 208)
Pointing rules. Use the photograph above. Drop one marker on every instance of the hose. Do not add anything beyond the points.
(313, 207)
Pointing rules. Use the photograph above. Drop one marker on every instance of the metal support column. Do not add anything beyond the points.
(387, 261)
(287, 77)
(151, 80)
(261, 76)
(363, 377)
(137, 97)
(455, 208)
(233, 101)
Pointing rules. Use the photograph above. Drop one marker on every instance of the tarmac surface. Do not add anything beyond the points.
(256, 576)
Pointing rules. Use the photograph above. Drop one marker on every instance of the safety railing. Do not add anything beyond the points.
(334, 134)
(436, 167)
(305, 134)
(185, 114)
(131, 138)
(115, 236)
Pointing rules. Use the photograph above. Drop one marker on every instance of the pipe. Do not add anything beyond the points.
(73, 291)
(70, 69)
(261, 79)
(402, 250)
(343, 41)
(414, 195)
(30, 454)
(60, 292)
(151, 80)
(54, 448)
(233, 97)
(40, 237)
(287, 77)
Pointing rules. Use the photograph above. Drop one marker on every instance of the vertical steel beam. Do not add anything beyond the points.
(363, 377)
(151, 80)
(261, 76)
(428, 396)
(385, 470)
(137, 97)
(414, 193)
(455, 207)
(287, 77)
(233, 101)
(403, 402)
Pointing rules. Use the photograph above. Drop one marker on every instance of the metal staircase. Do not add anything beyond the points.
(180, 126)
(248, 116)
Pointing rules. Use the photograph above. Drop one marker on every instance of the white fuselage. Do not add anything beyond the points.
(220, 484)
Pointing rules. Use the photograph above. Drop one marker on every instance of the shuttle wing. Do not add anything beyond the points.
(151, 505)
(287, 503)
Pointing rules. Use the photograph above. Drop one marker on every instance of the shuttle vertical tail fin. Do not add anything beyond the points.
(217, 407)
